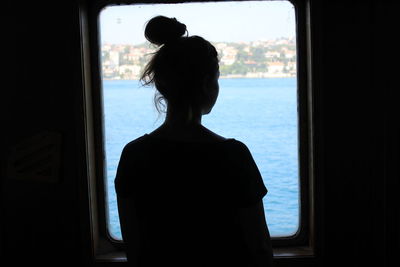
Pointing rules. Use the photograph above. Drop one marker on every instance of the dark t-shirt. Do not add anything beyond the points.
(186, 197)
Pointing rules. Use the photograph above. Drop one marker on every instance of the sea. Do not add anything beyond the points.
(260, 112)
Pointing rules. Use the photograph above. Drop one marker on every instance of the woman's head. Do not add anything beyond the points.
(184, 69)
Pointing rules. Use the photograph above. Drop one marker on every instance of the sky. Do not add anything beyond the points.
(217, 22)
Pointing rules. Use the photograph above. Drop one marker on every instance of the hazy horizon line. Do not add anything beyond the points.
(235, 42)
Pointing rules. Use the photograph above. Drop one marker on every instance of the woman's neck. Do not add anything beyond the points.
(182, 118)
(186, 126)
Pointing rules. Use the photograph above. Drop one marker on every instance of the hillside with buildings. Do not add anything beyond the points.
(259, 59)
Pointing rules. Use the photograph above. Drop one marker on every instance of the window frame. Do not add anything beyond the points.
(104, 247)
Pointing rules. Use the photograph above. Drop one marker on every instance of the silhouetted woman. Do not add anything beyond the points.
(187, 196)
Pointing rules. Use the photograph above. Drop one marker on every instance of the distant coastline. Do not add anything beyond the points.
(249, 76)
(259, 59)
(221, 77)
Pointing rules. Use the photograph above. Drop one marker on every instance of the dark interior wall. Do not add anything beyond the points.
(40, 93)
(355, 66)
(352, 120)
(358, 116)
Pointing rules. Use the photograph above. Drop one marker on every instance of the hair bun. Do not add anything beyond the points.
(160, 30)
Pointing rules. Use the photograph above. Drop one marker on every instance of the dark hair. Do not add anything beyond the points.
(181, 66)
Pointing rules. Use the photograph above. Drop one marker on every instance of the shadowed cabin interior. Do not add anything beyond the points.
(50, 203)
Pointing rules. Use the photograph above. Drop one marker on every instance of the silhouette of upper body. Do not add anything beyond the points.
(187, 196)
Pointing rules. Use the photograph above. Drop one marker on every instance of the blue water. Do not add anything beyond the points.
(262, 113)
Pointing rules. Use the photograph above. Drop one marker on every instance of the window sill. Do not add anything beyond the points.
(118, 256)
(293, 252)
(279, 253)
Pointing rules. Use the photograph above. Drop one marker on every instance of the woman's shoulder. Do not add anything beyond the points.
(137, 144)
(147, 140)
(200, 135)
(149, 143)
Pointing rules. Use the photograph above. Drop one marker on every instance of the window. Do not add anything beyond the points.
(263, 98)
